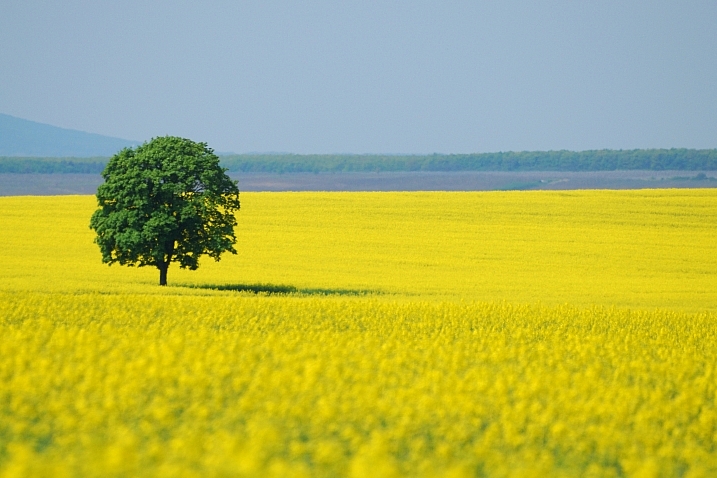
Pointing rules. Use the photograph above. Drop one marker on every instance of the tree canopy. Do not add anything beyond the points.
(165, 201)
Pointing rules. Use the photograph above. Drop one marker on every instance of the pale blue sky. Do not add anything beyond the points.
(368, 77)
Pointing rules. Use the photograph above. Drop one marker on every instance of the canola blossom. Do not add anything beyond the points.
(639, 249)
(423, 334)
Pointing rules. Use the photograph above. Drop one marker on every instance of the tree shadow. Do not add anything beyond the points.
(279, 289)
(521, 186)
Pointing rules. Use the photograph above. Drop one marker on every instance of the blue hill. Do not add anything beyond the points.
(19, 137)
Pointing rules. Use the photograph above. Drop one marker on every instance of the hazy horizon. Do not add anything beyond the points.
(321, 77)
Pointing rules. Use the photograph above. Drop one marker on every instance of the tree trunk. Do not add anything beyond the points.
(163, 266)
(163, 273)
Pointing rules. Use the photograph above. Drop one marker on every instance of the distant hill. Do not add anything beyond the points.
(19, 137)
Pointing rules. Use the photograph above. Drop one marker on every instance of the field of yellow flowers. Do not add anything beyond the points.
(415, 334)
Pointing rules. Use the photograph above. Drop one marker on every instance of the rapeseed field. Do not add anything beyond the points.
(418, 334)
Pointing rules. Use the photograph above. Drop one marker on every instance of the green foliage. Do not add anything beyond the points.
(166, 201)
(598, 160)
(26, 165)
(602, 160)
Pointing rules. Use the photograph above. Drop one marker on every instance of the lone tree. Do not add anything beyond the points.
(166, 201)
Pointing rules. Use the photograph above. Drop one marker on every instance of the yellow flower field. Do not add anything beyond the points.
(424, 334)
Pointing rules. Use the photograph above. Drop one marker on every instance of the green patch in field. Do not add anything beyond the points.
(281, 289)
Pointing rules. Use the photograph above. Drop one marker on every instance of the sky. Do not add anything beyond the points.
(393, 77)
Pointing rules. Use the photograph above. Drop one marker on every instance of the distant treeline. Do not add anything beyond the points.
(598, 160)
(602, 160)
(52, 165)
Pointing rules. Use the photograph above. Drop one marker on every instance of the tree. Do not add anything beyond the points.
(166, 201)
